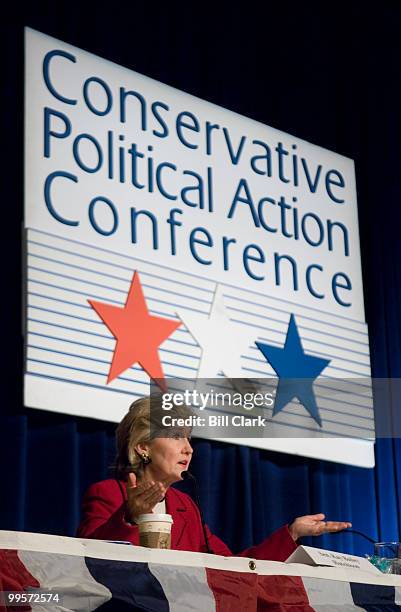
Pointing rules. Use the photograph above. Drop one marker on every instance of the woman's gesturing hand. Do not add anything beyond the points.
(141, 498)
(314, 525)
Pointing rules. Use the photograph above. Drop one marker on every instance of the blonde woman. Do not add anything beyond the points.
(149, 460)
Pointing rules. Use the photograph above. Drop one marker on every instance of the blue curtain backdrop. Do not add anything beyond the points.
(331, 78)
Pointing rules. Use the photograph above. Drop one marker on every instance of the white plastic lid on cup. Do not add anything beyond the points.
(154, 518)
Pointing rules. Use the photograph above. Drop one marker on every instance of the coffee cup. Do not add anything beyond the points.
(155, 530)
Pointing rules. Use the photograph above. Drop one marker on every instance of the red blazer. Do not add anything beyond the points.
(103, 519)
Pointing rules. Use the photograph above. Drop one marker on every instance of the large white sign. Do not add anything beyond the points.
(169, 237)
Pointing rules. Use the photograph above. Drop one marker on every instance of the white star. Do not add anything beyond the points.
(222, 341)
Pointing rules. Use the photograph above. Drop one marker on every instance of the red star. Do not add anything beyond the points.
(138, 333)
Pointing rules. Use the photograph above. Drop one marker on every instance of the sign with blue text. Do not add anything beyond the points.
(172, 239)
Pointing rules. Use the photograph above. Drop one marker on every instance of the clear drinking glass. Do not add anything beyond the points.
(387, 557)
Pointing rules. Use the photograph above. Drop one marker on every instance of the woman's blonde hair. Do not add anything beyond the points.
(142, 423)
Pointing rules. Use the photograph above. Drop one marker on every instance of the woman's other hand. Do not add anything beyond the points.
(314, 525)
(142, 498)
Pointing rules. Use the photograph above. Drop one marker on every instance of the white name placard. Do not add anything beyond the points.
(309, 555)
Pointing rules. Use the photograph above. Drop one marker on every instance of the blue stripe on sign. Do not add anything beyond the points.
(104, 274)
(108, 300)
(102, 286)
(270, 308)
(86, 384)
(374, 597)
(132, 585)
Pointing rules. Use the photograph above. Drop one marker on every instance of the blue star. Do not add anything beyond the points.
(291, 363)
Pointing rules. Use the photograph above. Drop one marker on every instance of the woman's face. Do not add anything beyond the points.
(170, 457)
